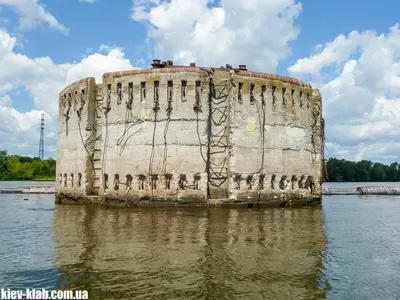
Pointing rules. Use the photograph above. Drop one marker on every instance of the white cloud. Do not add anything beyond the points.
(256, 33)
(12, 120)
(359, 78)
(43, 79)
(19, 131)
(32, 13)
(87, 1)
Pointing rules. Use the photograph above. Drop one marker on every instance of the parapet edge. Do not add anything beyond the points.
(78, 82)
(207, 71)
(156, 71)
(268, 76)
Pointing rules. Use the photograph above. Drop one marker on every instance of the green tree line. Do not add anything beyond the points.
(16, 167)
(340, 170)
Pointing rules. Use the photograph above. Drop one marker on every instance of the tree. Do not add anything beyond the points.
(363, 171)
(4, 173)
(16, 167)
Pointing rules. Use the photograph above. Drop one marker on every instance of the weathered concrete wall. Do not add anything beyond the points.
(74, 166)
(155, 138)
(271, 131)
(183, 135)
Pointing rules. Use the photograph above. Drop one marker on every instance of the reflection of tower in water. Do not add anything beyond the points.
(184, 253)
(74, 229)
(258, 254)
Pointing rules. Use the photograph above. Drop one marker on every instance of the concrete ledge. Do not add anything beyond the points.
(188, 201)
(77, 83)
(267, 202)
(206, 71)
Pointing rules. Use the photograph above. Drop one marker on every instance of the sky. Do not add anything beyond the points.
(349, 50)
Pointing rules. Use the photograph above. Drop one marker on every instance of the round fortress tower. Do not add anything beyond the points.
(187, 135)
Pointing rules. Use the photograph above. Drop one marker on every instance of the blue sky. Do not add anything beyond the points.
(350, 50)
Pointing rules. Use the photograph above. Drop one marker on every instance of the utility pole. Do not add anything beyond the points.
(41, 143)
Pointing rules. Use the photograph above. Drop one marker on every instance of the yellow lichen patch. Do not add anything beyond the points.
(293, 112)
(145, 114)
(153, 78)
(219, 73)
(276, 83)
(258, 88)
(315, 101)
(251, 125)
(296, 89)
(204, 81)
(190, 87)
(317, 141)
(307, 91)
(246, 86)
(109, 80)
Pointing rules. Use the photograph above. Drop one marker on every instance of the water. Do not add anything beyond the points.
(8, 184)
(348, 248)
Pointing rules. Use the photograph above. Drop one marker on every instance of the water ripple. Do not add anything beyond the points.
(345, 250)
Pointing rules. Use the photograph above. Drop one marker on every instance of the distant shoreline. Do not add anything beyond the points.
(29, 180)
(362, 181)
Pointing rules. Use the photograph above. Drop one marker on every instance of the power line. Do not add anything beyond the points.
(41, 143)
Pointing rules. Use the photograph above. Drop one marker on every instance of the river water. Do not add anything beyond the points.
(347, 248)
